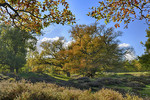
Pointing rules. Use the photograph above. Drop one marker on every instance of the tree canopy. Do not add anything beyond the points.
(122, 10)
(94, 49)
(13, 47)
(145, 58)
(47, 57)
(34, 15)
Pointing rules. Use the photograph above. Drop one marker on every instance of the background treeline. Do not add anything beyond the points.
(94, 49)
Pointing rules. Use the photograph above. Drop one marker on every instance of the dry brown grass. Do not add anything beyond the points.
(43, 91)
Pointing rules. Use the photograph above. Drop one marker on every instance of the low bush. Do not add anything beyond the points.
(95, 84)
(83, 79)
(109, 81)
(135, 84)
(120, 90)
(23, 90)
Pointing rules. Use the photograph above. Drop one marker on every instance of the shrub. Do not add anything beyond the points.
(24, 90)
(106, 94)
(95, 84)
(129, 97)
(120, 90)
(83, 79)
(142, 79)
(135, 84)
(109, 81)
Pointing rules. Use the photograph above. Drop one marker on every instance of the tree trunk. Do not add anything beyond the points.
(68, 74)
(11, 69)
(17, 70)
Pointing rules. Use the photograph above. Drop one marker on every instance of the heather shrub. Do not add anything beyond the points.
(10, 90)
(129, 97)
(109, 81)
(70, 94)
(106, 94)
(135, 84)
(23, 90)
(87, 95)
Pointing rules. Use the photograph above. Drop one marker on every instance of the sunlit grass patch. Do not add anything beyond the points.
(133, 73)
(60, 77)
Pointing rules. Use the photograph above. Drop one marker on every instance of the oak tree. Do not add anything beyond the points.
(47, 57)
(94, 49)
(14, 44)
(122, 10)
(145, 58)
(34, 15)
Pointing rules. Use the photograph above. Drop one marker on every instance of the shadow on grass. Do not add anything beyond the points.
(38, 77)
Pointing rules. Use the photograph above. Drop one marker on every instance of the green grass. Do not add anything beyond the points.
(3, 76)
(146, 91)
(60, 77)
(27, 75)
(133, 73)
(36, 75)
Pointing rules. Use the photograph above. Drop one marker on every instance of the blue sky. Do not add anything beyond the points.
(131, 36)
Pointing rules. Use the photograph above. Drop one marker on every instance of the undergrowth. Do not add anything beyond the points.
(23, 90)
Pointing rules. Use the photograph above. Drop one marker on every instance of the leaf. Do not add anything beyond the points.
(147, 15)
(32, 13)
(121, 10)
(106, 22)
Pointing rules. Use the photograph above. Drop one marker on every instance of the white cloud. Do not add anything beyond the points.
(68, 43)
(44, 39)
(124, 45)
(130, 56)
(49, 39)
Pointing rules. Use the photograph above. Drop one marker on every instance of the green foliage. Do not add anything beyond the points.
(147, 44)
(131, 66)
(14, 45)
(145, 61)
(145, 58)
(41, 91)
(47, 58)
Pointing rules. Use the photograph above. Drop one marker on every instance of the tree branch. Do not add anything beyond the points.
(6, 4)
(31, 14)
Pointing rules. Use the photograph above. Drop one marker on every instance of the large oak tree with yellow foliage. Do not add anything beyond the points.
(94, 49)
